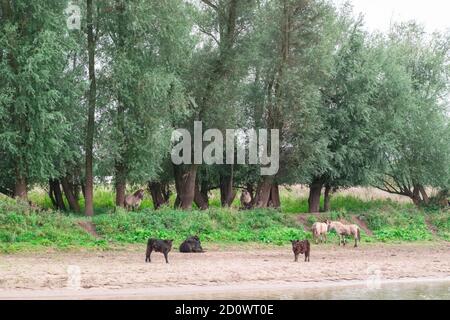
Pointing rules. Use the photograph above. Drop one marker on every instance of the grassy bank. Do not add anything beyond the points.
(22, 228)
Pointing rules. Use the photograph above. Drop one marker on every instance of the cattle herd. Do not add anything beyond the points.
(319, 232)
(192, 244)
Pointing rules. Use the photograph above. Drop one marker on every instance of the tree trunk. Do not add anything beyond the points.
(89, 196)
(20, 183)
(55, 189)
(83, 190)
(416, 196)
(68, 191)
(20, 187)
(424, 194)
(267, 194)
(251, 190)
(200, 198)
(121, 185)
(51, 194)
(166, 192)
(185, 186)
(274, 201)
(227, 193)
(204, 190)
(121, 169)
(327, 199)
(155, 191)
(315, 190)
(75, 190)
(262, 195)
(160, 195)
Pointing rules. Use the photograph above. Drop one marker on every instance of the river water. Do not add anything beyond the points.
(423, 290)
(407, 289)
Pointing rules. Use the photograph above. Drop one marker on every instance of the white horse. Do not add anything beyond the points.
(319, 232)
(345, 230)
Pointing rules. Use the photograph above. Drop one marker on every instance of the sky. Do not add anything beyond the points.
(433, 14)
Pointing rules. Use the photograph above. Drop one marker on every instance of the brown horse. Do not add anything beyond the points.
(345, 230)
(246, 200)
(132, 202)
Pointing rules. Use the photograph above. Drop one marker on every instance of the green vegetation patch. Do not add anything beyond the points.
(216, 225)
(22, 228)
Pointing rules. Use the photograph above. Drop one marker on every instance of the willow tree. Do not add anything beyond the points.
(68, 178)
(414, 118)
(33, 57)
(212, 82)
(292, 58)
(348, 112)
(145, 45)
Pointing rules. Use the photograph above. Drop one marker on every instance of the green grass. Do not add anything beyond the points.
(215, 225)
(22, 228)
(441, 221)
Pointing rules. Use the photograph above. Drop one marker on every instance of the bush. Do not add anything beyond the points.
(22, 227)
(441, 220)
(223, 225)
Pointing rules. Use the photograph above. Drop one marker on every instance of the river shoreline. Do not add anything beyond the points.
(220, 273)
(214, 292)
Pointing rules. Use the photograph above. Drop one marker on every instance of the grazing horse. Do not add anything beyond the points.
(319, 232)
(345, 230)
(134, 201)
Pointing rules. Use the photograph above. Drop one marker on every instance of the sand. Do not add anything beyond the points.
(124, 274)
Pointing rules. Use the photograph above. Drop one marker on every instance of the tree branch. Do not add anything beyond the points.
(210, 4)
(209, 34)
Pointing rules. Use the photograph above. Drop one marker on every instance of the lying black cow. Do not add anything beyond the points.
(191, 244)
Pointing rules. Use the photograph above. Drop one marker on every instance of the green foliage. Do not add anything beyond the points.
(148, 46)
(441, 220)
(404, 224)
(347, 109)
(22, 227)
(412, 109)
(218, 225)
(291, 204)
(311, 220)
(353, 108)
(404, 234)
(36, 89)
(287, 84)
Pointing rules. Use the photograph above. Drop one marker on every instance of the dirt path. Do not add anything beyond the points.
(28, 275)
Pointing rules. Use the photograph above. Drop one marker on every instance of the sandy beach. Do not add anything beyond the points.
(123, 273)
